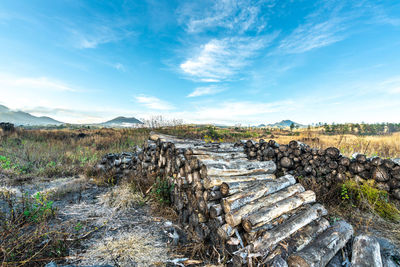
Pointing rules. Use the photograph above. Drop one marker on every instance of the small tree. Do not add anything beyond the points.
(291, 126)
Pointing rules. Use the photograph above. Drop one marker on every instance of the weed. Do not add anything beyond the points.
(162, 190)
(366, 196)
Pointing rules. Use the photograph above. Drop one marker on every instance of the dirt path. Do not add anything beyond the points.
(117, 228)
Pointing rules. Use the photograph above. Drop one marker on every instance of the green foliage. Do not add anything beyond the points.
(38, 208)
(366, 196)
(162, 190)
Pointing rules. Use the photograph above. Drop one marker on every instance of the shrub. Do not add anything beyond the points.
(366, 196)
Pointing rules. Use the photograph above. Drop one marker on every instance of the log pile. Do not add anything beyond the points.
(300, 159)
(240, 207)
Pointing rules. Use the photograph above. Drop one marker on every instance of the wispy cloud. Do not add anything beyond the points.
(119, 66)
(206, 90)
(239, 16)
(313, 35)
(152, 102)
(221, 59)
(97, 35)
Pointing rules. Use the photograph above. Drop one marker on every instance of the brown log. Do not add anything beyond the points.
(235, 217)
(268, 213)
(277, 234)
(211, 181)
(366, 252)
(216, 210)
(252, 193)
(226, 231)
(322, 249)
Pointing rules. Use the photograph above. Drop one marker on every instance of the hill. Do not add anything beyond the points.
(286, 124)
(24, 118)
(122, 122)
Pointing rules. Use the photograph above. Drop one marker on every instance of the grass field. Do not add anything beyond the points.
(68, 152)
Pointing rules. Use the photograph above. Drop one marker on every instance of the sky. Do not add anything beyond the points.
(224, 62)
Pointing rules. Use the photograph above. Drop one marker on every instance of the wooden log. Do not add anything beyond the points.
(293, 224)
(366, 252)
(235, 217)
(252, 193)
(226, 231)
(216, 210)
(322, 249)
(239, 167)
(230, 188)
(270, 212)
(300, 239)
(211, 181)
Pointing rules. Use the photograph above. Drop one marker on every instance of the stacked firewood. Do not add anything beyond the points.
(238, 206)
(301, 160)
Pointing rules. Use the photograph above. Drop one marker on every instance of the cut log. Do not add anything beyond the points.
(270, 212)
(322, 249)
(226, 231)
(366, 252)
(211, 181)
(230, 188)
(215, 210)
(277, 234)
(239, 167)
(252, 193)
(235, 218)
(300, 239)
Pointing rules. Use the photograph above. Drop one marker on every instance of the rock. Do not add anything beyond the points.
(376, 161)
(380, 174)
(397, 161)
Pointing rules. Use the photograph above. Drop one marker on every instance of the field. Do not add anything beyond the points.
(40, 156)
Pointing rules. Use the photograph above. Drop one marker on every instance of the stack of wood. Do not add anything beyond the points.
(301, 160)
(238, 205)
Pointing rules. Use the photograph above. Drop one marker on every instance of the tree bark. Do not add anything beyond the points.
(235, 217)
(366, 252)
(270, 212)
(252, 193)
(322, 249)
(277, 234)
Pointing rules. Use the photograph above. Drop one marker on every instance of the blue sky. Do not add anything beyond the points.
(227, 62)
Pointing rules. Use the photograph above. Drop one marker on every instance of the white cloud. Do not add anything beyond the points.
(239, 16)
(391, 85)
(152, 102)
(221, 59)
(206, 90)
(313, 35)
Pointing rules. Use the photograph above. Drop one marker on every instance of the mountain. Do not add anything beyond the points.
(23, 118)
(286, 124)
(122, 122)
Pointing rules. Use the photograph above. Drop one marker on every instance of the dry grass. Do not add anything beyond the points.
(123, 197)
(133, 249)
(379, 145)
(56, 153)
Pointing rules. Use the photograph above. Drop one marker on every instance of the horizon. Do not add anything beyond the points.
(214, 62)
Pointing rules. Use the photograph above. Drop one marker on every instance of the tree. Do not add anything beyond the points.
(291, 126)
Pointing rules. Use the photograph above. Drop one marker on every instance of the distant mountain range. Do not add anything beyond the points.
(283, 124)
(23, 118)
(122, 121)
